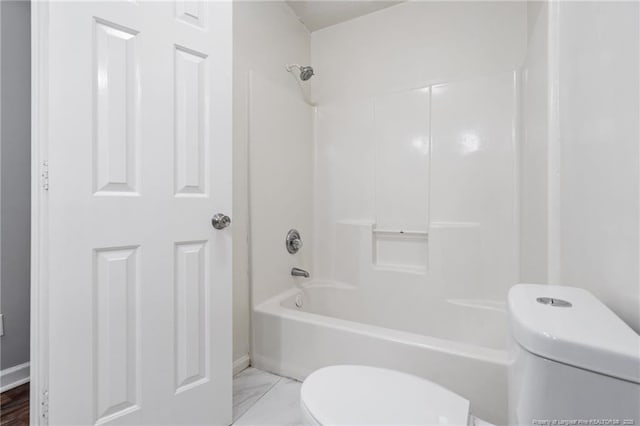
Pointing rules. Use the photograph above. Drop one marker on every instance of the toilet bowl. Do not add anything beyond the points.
(362, 395)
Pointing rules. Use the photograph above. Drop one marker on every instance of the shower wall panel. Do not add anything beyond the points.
(420, 184)
(415, 161)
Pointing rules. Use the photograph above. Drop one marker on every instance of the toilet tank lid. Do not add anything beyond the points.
(585, 334)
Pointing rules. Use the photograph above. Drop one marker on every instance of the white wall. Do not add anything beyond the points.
(416, 130)
(15, 137)
(281, 181)
(266, 37)
(534, 148)
(580, 172)
(598, 179)
(415, 44)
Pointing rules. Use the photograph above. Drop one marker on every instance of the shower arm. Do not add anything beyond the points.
(290, 68)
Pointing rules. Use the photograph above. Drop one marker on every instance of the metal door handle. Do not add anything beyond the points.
(220, 221)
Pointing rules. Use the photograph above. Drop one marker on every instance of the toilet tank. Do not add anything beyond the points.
(572, 360)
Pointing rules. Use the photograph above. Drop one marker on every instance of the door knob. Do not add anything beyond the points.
(220, 221)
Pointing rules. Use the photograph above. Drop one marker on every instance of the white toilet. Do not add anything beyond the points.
(359, 395)
(572, 360)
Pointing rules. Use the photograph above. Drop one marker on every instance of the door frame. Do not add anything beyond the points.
(39, 352)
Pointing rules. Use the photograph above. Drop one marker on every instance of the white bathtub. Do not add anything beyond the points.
(460, 344)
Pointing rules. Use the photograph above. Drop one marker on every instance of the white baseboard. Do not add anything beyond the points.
(241, 363)
(14, 376)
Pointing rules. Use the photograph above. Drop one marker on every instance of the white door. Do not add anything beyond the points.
(139, 160)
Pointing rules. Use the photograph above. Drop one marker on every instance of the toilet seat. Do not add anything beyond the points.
(360, 395)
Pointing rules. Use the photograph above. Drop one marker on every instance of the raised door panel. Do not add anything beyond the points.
(191, 12)
(191, 128)
(116, 118)
(116, 335)
(191, 314)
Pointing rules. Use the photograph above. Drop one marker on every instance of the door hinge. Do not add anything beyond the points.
(45, 175)
(44, 408)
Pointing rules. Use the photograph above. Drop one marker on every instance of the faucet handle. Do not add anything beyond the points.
(293, 241)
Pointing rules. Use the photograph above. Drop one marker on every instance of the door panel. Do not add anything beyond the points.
(139, 161)
(191, 120)
(116, 339)
(116, 119)
(191, 307)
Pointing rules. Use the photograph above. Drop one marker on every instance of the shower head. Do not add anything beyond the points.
(306, 72)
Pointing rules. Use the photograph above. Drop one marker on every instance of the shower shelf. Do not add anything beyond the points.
(400, 250)
(408, 233)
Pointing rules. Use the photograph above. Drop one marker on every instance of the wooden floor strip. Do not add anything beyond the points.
(14, 406)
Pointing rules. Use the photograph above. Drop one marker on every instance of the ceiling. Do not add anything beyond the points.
(318, 14)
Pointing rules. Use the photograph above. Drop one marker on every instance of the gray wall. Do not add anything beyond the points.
(15, 137)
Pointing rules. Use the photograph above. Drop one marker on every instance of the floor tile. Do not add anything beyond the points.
(248, 387)
(280, 406)
(475, 421)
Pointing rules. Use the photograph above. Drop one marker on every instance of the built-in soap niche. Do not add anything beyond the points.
(400, 250)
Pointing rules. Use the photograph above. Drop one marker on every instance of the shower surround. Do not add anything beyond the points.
(414, 243)
(403, 182)
(431, 174)
(454, 149)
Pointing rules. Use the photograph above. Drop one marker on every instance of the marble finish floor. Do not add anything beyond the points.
(261, 398)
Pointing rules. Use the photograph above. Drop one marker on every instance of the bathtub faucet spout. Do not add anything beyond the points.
(297, 272)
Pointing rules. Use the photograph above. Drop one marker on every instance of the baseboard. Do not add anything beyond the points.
(241, 363)
(14, 376)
